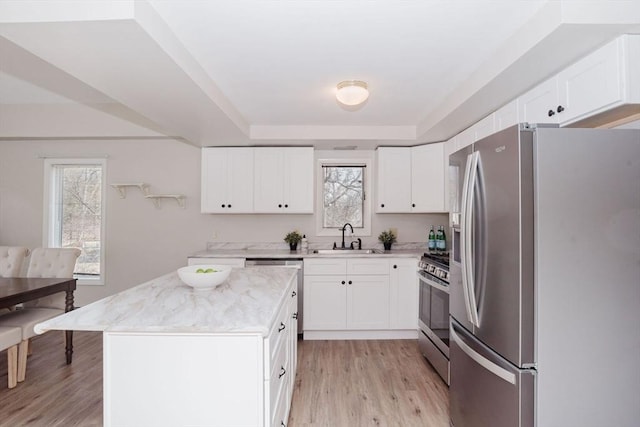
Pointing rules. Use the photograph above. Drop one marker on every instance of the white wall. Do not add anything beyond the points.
(143, 242)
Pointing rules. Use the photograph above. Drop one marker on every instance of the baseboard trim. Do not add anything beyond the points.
(404, 334)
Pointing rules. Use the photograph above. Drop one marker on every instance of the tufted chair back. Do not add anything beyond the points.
(52, 262)
(11, 258)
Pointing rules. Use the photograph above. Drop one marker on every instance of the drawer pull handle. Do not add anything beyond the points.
(293, 294)
(281, 328)
(350, 282)
(282, 372)
(295, 315)
(343, 282)
(282, 424)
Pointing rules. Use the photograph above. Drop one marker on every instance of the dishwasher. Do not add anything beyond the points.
(297, 262)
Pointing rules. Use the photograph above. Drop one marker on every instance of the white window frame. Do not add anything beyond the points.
(49, 216)
(366, 214)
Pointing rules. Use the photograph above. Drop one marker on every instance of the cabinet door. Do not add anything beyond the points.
(325, 303)
(403, 293)
(591, 84)
(465, 138)
(506, 116)
(449, 148)
(298, 180)
(484, 127)
(394, 180)
(268, 180)
(427, 178)
(227, 180)
(214, 180)
(240, 180)
(367, 302)
(539, 104)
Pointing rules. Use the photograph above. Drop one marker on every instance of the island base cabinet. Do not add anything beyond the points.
(183, 380)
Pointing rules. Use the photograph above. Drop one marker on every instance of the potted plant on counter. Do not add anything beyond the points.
(387, 237)
(292, 238)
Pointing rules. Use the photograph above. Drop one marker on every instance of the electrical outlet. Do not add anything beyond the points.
(214, 235)
(394, 231)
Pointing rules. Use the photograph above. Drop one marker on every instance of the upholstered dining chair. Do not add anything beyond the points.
(10, 337)
(44, 262)
(11, 259)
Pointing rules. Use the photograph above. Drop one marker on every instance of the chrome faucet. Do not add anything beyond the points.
(344, 227)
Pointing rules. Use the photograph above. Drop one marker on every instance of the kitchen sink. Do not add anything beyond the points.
(347, 251)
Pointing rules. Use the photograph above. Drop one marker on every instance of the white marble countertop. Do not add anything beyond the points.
(299, 254)
(246, 302)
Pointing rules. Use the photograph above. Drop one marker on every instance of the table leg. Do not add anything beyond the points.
(69, 334)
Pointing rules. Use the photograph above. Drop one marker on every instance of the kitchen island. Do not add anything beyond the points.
(175, 356)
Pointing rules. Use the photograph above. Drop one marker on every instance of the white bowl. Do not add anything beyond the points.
(204, 280)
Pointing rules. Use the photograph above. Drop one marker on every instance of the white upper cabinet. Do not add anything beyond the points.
(227, 180)
(394, 180)
(410, 179)
(283, 180)
(599, 81)
(484, 127)
(540, 104)
(506, 116)
(427, 185)
(607, 78)
(449, 148)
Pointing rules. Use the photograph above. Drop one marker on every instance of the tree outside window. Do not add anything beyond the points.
(343, 192)
(75, 213)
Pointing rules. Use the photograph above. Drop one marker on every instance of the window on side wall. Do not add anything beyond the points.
(343, 190)
(74, 213)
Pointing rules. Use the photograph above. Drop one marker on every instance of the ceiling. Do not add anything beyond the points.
(238, 72)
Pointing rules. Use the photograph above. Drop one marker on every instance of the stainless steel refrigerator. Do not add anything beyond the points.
(545, 279)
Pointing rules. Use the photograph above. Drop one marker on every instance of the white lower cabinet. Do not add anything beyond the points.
(202, 379)
(355, 298)
(403, 293)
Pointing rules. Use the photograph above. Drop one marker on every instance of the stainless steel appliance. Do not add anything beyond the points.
(545, 279)
(433, 321)
(297, 262)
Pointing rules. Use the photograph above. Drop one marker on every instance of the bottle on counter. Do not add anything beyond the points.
(304, 244)
(432, 241)
(442, 242)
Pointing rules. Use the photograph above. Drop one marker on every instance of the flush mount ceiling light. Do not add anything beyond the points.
(352, 92)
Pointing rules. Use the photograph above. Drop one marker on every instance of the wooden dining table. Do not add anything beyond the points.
(16, 290)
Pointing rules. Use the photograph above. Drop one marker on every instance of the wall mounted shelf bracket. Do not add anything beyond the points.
(155, 198)
(122, 188)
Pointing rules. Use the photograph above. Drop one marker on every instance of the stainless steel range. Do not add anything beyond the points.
(433, 336)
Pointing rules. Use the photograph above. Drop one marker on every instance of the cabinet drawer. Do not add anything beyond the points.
(279, 418)
(277, 336)
(325, 266)
(368, 266)
(279, 378)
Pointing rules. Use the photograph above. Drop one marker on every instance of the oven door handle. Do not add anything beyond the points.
(433, 284)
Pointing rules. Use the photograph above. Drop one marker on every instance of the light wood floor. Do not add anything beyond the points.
(339, 383)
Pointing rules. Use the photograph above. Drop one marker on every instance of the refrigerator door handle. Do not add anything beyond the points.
(464, 235)
(466, 243)
(482, 361)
